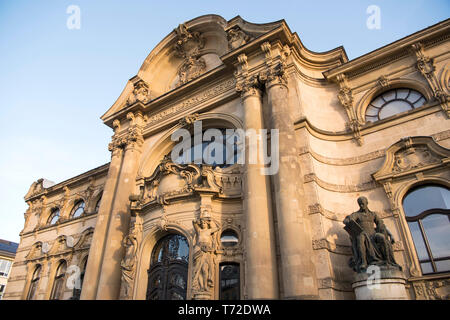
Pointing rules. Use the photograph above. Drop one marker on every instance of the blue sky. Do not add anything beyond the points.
(55, 83)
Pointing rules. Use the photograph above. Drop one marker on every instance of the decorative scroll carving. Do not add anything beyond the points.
(204, 256)
(411, 154)
(191, 69)
(141, 91)
(188, 47)
(237, 38)
(184, 180)
(189, 119)
(383, 82)
(426, 67)
(346, 98)
(132, 139)
(331, 247)
(188, 43)
(36, 188)
(432, 290)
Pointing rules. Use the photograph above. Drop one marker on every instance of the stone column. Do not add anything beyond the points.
(96, 251)
(261, 273)
(110, 274)
(297, 269)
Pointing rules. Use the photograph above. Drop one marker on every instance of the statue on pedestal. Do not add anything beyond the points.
(371, 240)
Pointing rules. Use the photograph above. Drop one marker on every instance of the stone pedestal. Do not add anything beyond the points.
(202, 296)
(387, 285)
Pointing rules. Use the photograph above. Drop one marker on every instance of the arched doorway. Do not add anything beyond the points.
(168, 273)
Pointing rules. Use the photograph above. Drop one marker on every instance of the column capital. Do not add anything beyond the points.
(274, 75)
(249, 87)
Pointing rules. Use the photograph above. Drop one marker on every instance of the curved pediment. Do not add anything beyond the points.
(190, 50)
(411, 154)
(201, 45)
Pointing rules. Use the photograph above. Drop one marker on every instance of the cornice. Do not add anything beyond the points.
(368, 128)
(377, 154)
(70, 182)
(375, 59)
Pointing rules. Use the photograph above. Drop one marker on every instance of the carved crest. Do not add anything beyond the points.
(410, 154)
(237, 37)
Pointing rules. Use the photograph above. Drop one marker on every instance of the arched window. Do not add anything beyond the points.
(77, 290)
(221, 153)
(229, 281)
(97, 205)
(78, 209)
(54, 216)
(392, 102)
(167, 276)
(229, 238)
(34, 283)
(58, 284)
(427, 210)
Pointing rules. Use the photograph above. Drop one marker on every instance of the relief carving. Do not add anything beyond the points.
(409, 154)
(141, 91)
(188, 47)
(237, 38)
(172, 181)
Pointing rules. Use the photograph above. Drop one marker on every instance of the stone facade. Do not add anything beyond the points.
(290, 238)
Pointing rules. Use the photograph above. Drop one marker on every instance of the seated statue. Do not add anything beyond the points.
(371, 240)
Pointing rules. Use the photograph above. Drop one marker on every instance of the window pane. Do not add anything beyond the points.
(393, 108)
(418, 241)
(78, 209)
(390, 95)
(425, 198)
(413, 96)
(427, 267)
(372, 111)
(229, 282)
(229, 238)
(442, 266)
(437, 230)
(419, 103)
(402, 93)
(378, 102)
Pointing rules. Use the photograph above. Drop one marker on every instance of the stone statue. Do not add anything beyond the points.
(204, 254)
(371, 240)
(128, 264)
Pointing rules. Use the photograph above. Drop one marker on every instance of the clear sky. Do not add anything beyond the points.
(55, 83)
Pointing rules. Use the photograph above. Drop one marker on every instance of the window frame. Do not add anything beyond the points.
(376, 118)
(418, 218)
(52, 215)
(77, 206)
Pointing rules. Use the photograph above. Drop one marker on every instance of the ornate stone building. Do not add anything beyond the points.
(376, 126)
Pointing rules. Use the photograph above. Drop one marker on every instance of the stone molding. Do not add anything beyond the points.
(443, 135)
(192, 101)
(338, 285)
(410, 155)
(339, 216)
(312, 177)
(426, 67)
